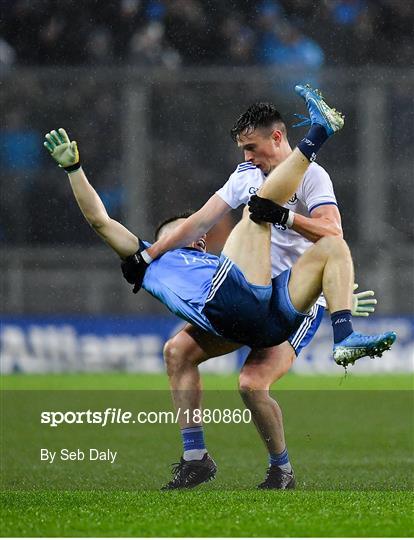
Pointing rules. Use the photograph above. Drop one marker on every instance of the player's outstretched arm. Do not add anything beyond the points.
(192, 228)
(66, 154)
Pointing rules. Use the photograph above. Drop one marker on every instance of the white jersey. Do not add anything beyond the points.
(287, 245)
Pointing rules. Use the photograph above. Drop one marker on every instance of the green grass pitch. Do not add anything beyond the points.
(341, 433)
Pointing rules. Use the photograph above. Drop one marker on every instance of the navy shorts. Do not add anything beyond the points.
(254, 315)
(304, 334)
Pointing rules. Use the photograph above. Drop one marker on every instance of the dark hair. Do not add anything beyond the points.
(257, 115)
(183, 215)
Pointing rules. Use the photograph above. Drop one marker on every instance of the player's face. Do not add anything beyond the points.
(200, 244)
(262, 148)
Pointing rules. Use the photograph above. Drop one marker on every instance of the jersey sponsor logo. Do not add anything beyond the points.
(253, 190)
(293, 199)
(188, 259)
(279, 227)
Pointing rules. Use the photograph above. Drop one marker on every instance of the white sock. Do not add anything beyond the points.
(190, 455)
(287, 467)
(281, 460)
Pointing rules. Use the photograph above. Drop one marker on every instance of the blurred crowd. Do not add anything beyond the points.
(171, 33)
(303, 34)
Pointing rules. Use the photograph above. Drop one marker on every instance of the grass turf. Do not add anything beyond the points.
(339, 445)
(134, 381)
(217, 513)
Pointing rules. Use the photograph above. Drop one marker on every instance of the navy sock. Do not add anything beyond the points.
(281, 460)
(310, 145)
(341, 324)
(193, 442)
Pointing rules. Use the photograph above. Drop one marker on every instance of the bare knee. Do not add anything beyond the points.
(329, 245)
(171, 356)
(251, 380)
(255, 380)
(177, 355)
(264, 368)
(251, 398)
(254, 389)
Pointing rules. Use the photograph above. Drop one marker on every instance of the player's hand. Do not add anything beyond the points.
(266, 210)
(63, 150)
(363, 303)
(133, 269)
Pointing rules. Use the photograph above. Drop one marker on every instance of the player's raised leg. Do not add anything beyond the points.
(328, 267)
(284, 180)
(324, 121)
(248, 246)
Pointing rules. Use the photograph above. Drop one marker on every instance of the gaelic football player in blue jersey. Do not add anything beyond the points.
(234, 296)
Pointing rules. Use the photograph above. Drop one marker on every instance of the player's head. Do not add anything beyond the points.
(171, 223)
(261, 133)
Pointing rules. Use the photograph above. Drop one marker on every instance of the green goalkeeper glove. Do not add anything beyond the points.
(363, 303)
(62, 150)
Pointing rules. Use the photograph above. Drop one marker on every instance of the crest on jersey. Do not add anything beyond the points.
(293, 199)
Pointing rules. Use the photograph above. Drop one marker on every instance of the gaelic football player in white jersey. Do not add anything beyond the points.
(311, 214)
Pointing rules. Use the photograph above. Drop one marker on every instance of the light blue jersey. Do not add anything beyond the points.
(213, 293)
(181, 279)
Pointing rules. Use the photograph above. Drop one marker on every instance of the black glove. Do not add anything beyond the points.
(266, 210)
(133, 270)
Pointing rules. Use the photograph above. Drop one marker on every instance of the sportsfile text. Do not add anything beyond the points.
(113, 415)
(91, 454)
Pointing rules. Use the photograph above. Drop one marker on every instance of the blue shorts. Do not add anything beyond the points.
(257, 316)
(304, 334)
